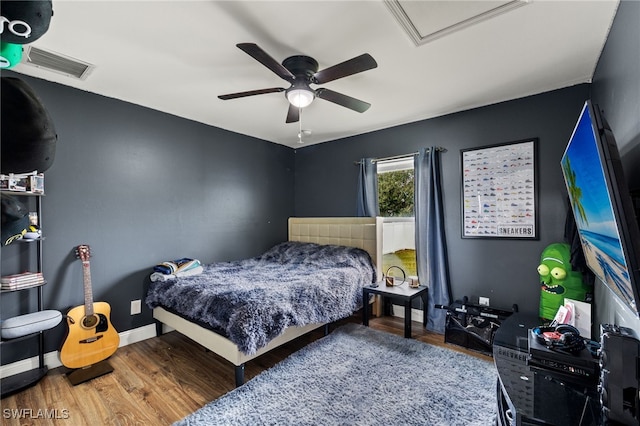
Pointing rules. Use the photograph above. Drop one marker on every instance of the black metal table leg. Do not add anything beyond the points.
(425, 308)
(407, 318)
(366, 307)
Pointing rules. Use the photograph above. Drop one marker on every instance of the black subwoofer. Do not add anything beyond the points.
(619, 382)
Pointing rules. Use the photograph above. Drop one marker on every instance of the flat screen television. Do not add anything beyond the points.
(602, 206)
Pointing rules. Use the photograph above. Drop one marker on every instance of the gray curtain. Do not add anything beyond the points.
(367, 200)
(431, 250)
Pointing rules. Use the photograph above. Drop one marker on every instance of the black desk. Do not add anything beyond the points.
(534, 397)
(402, 292)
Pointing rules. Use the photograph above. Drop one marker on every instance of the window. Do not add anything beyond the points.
(395, 198)
(395, 187)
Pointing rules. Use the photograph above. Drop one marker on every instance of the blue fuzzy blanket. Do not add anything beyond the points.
(252, 301)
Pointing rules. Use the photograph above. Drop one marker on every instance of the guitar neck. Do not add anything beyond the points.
(88, 293)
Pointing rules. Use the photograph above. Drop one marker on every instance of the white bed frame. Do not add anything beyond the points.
(364, 233)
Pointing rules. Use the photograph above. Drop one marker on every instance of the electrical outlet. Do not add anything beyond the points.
(136, 307)
(484, 301)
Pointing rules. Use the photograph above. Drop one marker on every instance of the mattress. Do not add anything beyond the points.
(252, 301)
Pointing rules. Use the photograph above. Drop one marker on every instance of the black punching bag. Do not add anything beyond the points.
(28, 137)
(24, 22)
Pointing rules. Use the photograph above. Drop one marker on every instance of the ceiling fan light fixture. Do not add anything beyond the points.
(301, 71)
(300, 97)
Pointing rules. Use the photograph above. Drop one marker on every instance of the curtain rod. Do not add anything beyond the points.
(396, 157)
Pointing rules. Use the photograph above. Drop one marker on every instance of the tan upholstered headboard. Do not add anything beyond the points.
(361, 232)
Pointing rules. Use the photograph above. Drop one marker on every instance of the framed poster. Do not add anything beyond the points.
(499, 191)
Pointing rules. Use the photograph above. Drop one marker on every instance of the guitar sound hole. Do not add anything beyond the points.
(90, 322)
(98, 321)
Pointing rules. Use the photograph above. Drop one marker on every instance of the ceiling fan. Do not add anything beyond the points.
(301, 71)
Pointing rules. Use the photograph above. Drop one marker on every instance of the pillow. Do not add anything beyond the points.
(30, 323)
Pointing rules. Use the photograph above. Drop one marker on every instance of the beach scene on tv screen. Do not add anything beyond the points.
(593, 211)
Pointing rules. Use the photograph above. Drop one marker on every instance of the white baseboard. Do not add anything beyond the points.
(52, 359)
(137, 335)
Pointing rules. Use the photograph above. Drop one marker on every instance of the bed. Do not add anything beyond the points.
(222, 339)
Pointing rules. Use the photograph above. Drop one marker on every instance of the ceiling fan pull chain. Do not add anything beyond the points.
(300, 125)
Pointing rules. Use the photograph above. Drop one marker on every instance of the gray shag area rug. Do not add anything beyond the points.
(360, 376)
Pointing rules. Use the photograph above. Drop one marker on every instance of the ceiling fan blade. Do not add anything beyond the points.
(343, 100)
(251, 93)
(293, 115)
(355, 65)
(263, 57)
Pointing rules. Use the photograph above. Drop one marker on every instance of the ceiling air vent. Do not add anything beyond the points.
(57, 62)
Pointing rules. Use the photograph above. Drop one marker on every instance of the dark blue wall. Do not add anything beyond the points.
(141, 187)
(503, 270)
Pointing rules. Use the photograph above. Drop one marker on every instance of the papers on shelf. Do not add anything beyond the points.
(577, 314)
(22, 280)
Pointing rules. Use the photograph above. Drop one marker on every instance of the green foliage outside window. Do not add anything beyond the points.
(395, 193)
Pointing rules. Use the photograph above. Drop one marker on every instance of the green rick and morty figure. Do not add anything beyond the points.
(559, 280)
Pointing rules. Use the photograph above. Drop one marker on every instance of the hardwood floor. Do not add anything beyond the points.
(158, 381)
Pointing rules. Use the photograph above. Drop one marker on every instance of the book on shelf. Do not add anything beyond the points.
(23, 276)
(25, 279)
(13, 287)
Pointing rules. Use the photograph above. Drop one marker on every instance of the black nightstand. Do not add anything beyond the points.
(401, 292)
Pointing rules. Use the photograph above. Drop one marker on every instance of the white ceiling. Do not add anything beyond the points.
(178, 56)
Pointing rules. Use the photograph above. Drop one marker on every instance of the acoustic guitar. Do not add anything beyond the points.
(91, 338)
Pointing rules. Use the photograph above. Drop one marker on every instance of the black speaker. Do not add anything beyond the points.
(618, 385)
